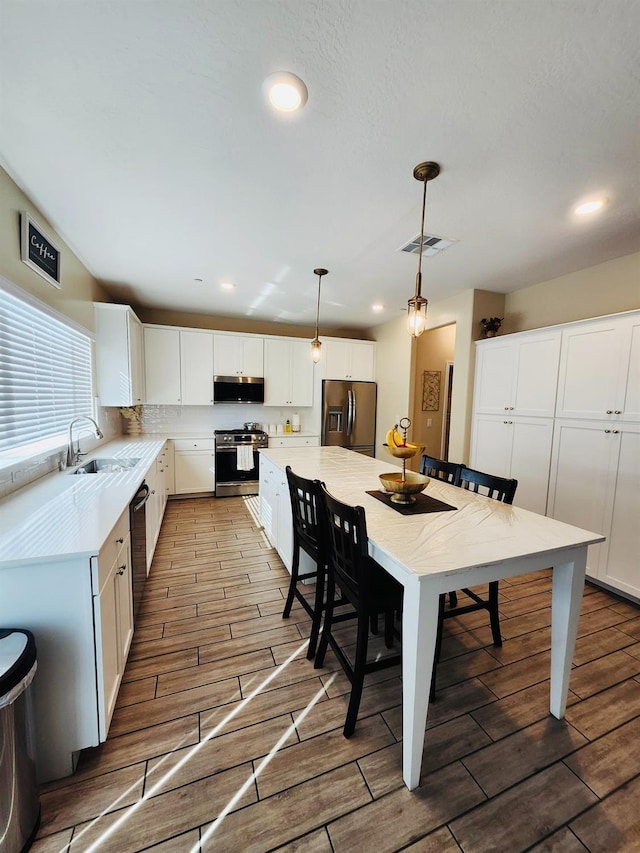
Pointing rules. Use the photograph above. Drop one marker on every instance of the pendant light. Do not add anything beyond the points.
(316, 346)
(417, 306)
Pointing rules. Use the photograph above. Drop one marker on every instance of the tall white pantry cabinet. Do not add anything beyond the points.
(559, 409)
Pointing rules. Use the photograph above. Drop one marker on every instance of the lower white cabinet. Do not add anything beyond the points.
(155, 507)
(80, 611)
(113, 615)
(193, 465)
(517, 447)
(595, 472)
(275, 509)
(294, 441)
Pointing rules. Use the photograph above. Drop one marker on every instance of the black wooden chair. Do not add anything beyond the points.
(367, 588)
(304, 509)
(500, 489)
(439, 469)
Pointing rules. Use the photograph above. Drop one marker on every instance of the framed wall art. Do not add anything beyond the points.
(38, 251)
(431, 390)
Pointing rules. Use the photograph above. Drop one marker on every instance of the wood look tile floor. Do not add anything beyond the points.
(225, 738)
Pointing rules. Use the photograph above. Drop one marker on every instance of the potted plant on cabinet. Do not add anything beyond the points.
(490, 326)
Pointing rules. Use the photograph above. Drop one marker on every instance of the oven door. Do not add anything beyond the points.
(229, 480)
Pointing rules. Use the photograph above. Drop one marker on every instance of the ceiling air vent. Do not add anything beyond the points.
(431, 245)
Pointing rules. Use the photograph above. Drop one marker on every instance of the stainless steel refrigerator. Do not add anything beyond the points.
(349, 415)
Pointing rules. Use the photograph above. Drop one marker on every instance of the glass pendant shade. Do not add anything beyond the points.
(417, 316)
(316, 350)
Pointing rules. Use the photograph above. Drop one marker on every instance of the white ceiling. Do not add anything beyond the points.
(139, 129)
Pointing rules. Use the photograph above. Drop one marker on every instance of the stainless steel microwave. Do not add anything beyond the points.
(238, 389)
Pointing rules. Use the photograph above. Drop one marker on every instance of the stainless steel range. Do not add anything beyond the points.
(236, 461)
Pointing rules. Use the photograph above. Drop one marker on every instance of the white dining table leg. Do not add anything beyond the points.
(419, 630)
(567, 589)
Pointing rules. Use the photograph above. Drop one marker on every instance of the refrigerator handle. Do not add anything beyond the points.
(351, 411)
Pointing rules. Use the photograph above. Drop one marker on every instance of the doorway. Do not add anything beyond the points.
(446, 410)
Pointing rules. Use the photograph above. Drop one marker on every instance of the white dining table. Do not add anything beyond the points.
(482, 540)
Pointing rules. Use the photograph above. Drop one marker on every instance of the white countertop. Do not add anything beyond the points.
(64, 515)
(481, 532)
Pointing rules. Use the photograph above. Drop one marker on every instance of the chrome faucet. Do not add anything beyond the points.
(74, 456)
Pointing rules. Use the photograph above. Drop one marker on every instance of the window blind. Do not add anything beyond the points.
(45, 376)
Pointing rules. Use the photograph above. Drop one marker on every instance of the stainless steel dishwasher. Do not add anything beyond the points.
(138, 528)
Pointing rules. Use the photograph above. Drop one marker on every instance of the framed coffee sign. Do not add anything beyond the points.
(38, 251)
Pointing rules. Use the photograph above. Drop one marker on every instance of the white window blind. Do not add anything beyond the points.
(45, 376)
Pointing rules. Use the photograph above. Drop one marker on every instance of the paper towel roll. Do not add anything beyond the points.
(295, 423)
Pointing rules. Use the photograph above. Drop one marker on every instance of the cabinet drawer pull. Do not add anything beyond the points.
(609, 411)
(607, 430)
(615, 431)
(618, 412)
(122, 569)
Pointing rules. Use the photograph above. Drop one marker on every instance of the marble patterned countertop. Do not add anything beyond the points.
(480, 532)
(65, 515)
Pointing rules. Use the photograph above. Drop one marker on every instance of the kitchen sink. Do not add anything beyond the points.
(106, 466)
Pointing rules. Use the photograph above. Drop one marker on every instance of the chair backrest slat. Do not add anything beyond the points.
(304, 509)
(499, 488)
(440, 469)
(346, 541)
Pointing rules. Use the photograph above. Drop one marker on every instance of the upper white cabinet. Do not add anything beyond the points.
(162, 365)
(346, 359)
(196, 368)
(119, 356)
(600, 370)
(178, 366)
(288, 373)
(238, 355)
(518, 374)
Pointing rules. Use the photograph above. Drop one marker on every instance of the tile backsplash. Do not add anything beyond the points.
(205, 419)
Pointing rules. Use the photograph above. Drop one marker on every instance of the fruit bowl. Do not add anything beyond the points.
(405, 451)
(403, 489)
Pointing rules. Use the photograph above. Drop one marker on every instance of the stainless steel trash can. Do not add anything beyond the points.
(19, 798)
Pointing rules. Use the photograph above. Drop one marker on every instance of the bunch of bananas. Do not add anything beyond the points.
(396, 441)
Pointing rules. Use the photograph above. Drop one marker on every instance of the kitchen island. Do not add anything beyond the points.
(482, 540)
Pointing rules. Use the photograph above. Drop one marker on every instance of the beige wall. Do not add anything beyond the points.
(240, 324)
(393, 369)
(604, 289)
(79, 288)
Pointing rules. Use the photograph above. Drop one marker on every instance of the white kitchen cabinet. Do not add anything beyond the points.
(167, 462)
(520, 447)
(119, 356)
(193, 464)
(238, 355)
(600, 370)
(162, 365)
(294, 440)
(595, 472)
(348, 359)
(288, 373)
(156, 503)
(196, 368)
(518, 374)
(275, 510)
(113, 614)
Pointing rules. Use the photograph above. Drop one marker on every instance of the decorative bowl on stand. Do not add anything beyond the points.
(403, 485)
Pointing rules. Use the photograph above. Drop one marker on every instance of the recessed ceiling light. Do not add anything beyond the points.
(227, 285)
(589, 206)
(285, 91)
(377, 307)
